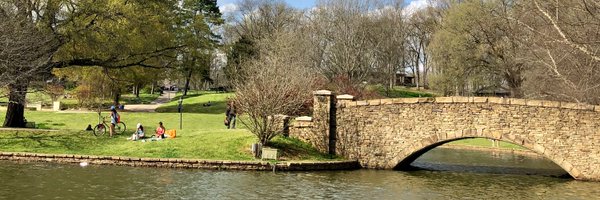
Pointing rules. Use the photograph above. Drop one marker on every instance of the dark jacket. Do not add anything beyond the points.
(230, 111)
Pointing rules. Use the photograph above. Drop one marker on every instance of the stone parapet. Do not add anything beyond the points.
(350, 102)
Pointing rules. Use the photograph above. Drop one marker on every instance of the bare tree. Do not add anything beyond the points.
(254, 21)
(563, 49)
(341, 39)
(278, 82)
(387, 41)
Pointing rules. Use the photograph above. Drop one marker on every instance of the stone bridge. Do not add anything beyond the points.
(392, 133)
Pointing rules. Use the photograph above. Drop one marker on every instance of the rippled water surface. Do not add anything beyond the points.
(497, 176)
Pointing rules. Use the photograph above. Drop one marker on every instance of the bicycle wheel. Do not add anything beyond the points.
(120, 128)
(99, 130)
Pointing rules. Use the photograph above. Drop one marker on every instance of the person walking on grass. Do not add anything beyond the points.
(231, 115)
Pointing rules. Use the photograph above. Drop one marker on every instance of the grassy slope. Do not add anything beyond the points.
(194, 103)
(204, 136)
(402, 92)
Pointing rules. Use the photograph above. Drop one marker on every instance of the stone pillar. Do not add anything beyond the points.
(282, 124)
(56, 106)
(324, 120)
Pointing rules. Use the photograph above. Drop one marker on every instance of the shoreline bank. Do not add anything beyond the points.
(216, 164)
(182, 163)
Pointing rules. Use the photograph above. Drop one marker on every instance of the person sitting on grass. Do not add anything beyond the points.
(139, 133)
(160, 131)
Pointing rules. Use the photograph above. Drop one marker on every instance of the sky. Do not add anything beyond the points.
(227, 6)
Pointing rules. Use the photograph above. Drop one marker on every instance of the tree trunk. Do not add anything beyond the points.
(152, 88)
(426, 69)
(117, 97)
(417, 76)
(515, 81)
(15, 113)
(187, 83)
(137, 90)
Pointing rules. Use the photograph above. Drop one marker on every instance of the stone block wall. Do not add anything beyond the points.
(303, 128)
(316, 130)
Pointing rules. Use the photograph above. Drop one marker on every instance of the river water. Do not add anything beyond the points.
(450, 174)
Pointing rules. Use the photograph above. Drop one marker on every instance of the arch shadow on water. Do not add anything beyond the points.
(406, 164)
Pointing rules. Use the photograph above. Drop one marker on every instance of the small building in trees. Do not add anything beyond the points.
(404, 79)
(493, 91)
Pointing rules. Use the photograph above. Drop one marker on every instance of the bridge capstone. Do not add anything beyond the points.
(391, 133)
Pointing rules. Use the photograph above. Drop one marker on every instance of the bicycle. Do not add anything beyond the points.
(100, 128)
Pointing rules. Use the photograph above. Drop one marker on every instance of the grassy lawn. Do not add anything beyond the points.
(125, 99)
(199, 103)
(203, 137)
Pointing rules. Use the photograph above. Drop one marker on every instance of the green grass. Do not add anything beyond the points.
(294, 149)
(125, 99)
(203, 137)
(195, 103)
(227, 145)
(483, 142)
(402, 92)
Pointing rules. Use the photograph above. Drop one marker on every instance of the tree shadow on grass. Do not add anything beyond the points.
(43, 140)
(49, 125)
(215, 107)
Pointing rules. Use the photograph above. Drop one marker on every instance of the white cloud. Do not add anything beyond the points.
(228, 8)
(415, 5)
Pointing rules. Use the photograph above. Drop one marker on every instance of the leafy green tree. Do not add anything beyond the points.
(197, 38)
(475, 48)
(241, 51)
(110, 34)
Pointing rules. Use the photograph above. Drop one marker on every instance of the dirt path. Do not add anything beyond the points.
(162, 99)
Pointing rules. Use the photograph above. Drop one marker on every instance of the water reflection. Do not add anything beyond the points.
(49, 181)
(461, 160)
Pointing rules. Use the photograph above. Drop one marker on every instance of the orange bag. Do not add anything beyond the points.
(171, 133)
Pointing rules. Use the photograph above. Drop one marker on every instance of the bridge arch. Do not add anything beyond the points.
(389, 133)
(413, 152)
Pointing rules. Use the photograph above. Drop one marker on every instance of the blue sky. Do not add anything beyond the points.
(228, 5)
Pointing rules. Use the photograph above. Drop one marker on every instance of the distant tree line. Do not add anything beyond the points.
(532, 49)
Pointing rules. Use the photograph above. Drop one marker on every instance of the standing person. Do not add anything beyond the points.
(160, 131)
(231, 114)
(114, 119)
